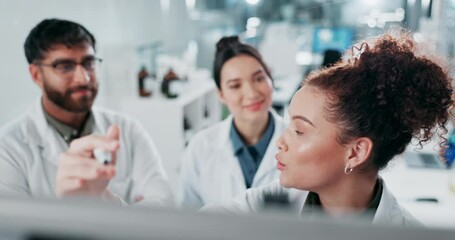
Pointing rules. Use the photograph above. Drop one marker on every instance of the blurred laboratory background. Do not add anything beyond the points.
(157, 59)
(157, 36)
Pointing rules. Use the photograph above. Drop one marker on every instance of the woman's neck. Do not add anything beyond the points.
(251, 132)
(349, 196)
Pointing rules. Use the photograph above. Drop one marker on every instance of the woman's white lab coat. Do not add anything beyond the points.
(389, 212)
(210, 171)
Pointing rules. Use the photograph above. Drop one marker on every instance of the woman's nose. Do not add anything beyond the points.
(281, 145)
(251, 91)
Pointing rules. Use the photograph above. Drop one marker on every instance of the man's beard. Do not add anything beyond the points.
(64, 101)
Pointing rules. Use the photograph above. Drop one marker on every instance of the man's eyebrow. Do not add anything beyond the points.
(59, 60)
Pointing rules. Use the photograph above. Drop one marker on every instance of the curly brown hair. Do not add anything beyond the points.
(389, 91)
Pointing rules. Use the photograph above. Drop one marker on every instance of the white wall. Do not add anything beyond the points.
(119, 27)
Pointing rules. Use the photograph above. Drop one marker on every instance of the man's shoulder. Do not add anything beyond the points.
(111, 116)
(14, 130)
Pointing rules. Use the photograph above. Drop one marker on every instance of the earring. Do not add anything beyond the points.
(347, 169)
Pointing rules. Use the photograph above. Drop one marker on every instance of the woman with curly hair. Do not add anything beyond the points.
(347, 122)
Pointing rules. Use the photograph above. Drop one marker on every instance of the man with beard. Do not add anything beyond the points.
(48, 152)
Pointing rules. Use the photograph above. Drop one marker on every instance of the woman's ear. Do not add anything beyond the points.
(360, 151)
(221, 96)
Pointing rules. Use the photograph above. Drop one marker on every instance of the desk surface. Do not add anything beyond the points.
(409, 184)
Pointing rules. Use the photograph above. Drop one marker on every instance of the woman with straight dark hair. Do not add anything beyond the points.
(237, 153)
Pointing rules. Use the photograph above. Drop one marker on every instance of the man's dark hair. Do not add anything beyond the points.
(50, 32)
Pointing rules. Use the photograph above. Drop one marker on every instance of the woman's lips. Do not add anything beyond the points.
(279, 165)
(254, 106)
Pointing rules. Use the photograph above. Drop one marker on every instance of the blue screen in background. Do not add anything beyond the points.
(332, 38)
(450, 151)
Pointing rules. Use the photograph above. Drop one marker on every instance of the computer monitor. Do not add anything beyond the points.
(423, 160)
(339, 38)
(26, 219)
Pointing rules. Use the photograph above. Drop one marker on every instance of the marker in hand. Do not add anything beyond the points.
(102, 156)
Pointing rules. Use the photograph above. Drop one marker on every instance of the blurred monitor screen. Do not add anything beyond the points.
(423, 160)
(332, 38)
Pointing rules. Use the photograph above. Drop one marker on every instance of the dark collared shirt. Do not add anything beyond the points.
(250, 157)
(69, 133)
(312, 207)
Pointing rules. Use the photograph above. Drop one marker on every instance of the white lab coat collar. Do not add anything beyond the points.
(223, 143)
(390, 212)
(36, 126)
(39, 132)
(223, 140)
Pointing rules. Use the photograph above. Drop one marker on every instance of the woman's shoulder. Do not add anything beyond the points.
(390, 212)
(260, 199)
(213, 134)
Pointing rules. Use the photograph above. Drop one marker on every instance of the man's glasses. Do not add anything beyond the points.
(66, 67)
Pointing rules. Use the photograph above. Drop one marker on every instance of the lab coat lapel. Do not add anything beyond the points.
(224, 147)
(47, 139)
(40, 134)
(101, 125)
(388, 212)
(237, 179)
(45, 144)
(268, 162)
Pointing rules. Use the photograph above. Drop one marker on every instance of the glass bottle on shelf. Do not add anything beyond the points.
(142, 76)
(168, 80)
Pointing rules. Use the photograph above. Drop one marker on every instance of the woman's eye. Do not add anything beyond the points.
(234, 86)
(260, 79)
(298, 132)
